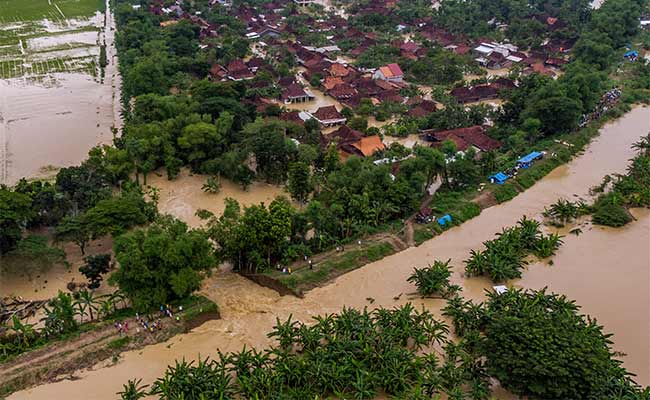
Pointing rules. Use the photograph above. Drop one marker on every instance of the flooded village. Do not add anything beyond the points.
(179, 178)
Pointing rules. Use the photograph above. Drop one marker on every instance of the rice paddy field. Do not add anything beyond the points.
(55, 100)
(39, 37)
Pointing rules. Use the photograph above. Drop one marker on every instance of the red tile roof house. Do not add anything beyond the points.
(238, 71)
(342, 91)
(292, 116)
(390, 72)
(464, 138)
(475, 93)
(343, 135)
(218, 72)
(328, 116)
(364, 147)
(350, 142)
(331, 82)
(294, 93)
(422, 109)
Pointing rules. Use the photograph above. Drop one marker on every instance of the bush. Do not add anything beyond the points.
(539, 346)
(434, 280)
(505, 193)
(504, 257)
(468, 210)
(613, 215)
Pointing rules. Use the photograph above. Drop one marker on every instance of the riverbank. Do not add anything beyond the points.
(98, 344)
(249, 311)
(300, 276)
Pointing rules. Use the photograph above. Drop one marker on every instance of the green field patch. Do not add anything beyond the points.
(34, 10)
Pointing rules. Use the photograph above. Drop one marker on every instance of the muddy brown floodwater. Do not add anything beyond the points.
(183, 197)
(593, 268)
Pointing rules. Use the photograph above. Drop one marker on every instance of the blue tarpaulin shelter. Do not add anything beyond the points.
(631, 54)
(527, 160)
(499, 178)
(444, 220)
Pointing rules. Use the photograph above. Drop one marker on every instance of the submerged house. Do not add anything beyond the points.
(294, 93)
(328, 116)
(350, 142)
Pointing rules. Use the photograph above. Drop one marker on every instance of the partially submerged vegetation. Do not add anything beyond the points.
(538, 345)
(361, 354)
(434, 280)
(616, 194)
(505, 256)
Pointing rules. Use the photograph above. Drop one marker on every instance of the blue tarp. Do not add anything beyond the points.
(631, 53)
(442, 221)
(499, 178)
(528, 158)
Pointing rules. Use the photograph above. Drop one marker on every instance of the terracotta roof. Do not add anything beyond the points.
(337, 69)
(391, 71)
(474, 135)
(409, 46)
(342, 90)
(384, 85)
(461, 145)
(286, 81)
(236, 65)
(344, 135)
(462, 49)
(369, 145)
(218, 71)
(327, 113)
(292, 116)
(293, 91)
(330, 82)
(241, 74)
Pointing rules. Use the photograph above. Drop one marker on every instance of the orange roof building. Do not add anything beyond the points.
(390, 72)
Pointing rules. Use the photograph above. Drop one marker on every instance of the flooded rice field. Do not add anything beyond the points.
(605, 270)
(55, 102)
(183, 197)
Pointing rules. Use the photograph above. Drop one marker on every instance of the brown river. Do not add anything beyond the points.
(606, 271)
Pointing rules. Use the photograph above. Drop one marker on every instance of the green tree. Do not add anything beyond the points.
(94, 267)
(161, 263)
(434, 280)
(15, 213)
(256, 238)
(538, 345)
(85, 300)
(133, 390)
(299, 183)
(74, 229)
(60, 315)
(117, 214)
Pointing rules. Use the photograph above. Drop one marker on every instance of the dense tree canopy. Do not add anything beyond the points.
(161, 263)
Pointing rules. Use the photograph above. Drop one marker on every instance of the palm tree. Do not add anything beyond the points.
(116, 296)
(106, 307)
(23, 331)
(86, 300)
(643, 145)
(133, 390)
